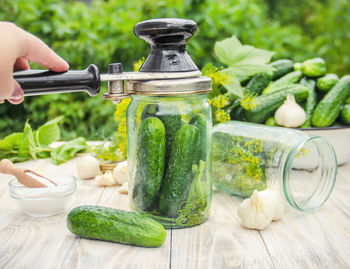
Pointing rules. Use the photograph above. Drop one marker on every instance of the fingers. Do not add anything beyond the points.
(17, 47)
(37, 51)
(17, 95)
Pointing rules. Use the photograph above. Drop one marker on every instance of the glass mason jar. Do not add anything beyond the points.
(169, 142)
(249, 156)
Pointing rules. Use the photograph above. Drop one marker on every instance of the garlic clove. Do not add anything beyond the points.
(256, 212)
(277, 200)
(88, 167)
(105, 180)
(120, 173)
(124, 189)
(290, 114)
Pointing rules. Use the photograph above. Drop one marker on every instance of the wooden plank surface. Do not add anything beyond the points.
(299, 240)
(319, 239)
(221, 242)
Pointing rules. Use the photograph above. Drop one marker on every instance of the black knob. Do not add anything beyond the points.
(168, 38)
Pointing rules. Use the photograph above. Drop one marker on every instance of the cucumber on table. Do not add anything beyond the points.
(345, 114)
(315, 67)
(104, 223)
(258, 83)
(265, 105)
(281, 67)
(327, 82)
(178, 175)
(329, 107)
(150, 162)
(286, 80)
(310, 101)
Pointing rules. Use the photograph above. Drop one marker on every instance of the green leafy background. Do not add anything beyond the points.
(101, 32)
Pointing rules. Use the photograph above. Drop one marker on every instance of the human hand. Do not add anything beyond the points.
(17, 47)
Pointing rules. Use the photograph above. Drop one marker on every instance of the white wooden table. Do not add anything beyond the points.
(300, 240)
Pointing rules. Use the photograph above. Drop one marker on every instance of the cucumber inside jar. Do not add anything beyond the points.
(183, 197)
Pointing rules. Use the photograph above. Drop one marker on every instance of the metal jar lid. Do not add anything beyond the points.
(166, 87)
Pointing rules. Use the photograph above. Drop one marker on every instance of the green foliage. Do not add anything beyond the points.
(101, 32)
(324, 24)
(68, 150)
(26, 145)
(243, 61)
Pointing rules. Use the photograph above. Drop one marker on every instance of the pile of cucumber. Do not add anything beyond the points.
(324, 97)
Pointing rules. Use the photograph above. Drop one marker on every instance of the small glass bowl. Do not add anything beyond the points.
(43, 202)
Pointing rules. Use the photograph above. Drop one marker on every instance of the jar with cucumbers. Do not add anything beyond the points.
(169, 129)
(169, 158)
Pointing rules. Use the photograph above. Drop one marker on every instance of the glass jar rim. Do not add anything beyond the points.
(195, 85)
(326, 182)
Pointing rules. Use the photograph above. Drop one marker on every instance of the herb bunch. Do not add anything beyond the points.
(29, 144)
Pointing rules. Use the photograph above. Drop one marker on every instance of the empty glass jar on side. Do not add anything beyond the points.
(169, 140)
(248, 156)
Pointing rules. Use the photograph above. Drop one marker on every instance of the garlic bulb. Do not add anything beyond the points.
(276, 199)
(120, 173)
(88, 167)
(290, 114)
(256, 212)
(106, 180)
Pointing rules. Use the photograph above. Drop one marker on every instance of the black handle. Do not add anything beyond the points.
(39, 82)
(167, 38)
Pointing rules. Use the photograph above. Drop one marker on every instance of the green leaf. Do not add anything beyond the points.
(18, 158)
(249, 55)
(242, 60)
(14, 148)
(48, 132)
(243, 71)
(28, 145)
(68, 150)
(8, 143)
(44, 154)
(225, 49)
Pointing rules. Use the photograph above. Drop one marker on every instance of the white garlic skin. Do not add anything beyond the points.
(120, 173)
(124, 189)
(106, 180)
(277, 201)
(290, 114)
(256, 212)
(88, 167)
